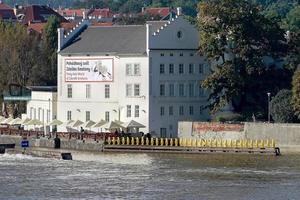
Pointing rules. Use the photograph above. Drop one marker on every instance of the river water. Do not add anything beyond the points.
(151, 176)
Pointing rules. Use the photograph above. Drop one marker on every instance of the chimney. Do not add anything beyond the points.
(60, 42)
(179, 11)
(143, 9)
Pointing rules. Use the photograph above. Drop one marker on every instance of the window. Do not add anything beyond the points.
(201, 91)
(88, 91)
(137, 69)
(162, 111)
(181, 70)
(163, 132)
(191, 89)
(171, 68)
(171, 110)
(181, 89)
(201, 109)
(191, 110)
(179, 34)
(171, 90)
(201, 67)
(129, 69)
(181, 110)
(69, 91)
(181, 54)
(69, 115)
(31, 113)
(191, 68)
(162, 54)
(87, 116)
(128, 90)
(34, 113)
(191, 54)
(107, 116)
(48, 116)
(162, 69)
(137, 111)
(107, 91)
(171, 54)
(39, 114)
(162, 90)
(128, 110)
(43, 117)
(136, 90)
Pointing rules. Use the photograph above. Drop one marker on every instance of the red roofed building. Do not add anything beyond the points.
(72, 14)
(162, 12)
(40, 14)
(6, 12)
(100, 13)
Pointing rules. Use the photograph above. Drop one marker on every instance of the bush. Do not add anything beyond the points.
(281, 107)
(232, 117)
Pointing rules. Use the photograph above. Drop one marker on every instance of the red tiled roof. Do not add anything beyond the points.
(159, 11)
(39, 14)
(6, 12)
(38, 27)
(101, 13)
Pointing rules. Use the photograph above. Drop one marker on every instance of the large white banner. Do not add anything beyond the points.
(89, 70)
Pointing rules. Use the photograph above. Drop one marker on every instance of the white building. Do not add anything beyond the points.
(149, 73)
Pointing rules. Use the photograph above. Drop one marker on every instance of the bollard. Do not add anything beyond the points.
(156, 141)
(184, 142)
(251, 144)
(246, 144)
(142, 141)
(147, 141)
(268, 143)
(190, 142)
(113, 141)
(198, 143)
(262, 144)
(176, 142)
(123, 141)
(180, 142)
(118, 141)
(152, 141)
(201, 143)
(273, 143)
(205, 143)
(108, 140)
(230, 143)
(195, 143)
(210, 142)
(171, 142)
(235, 143)
(216, 143)
(256, 143)
(161, 142)
(221, 143)
(132, 140)
(226, 144)
(166, 142)
(127, 140)
(137, 141)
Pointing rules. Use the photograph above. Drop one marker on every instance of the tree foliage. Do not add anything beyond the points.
(281, 107)
(296, 91)
(236, 38)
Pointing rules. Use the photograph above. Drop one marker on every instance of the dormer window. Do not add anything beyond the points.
(179, 34)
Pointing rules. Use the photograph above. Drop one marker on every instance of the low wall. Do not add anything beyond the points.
(49, 143)
(287, 136)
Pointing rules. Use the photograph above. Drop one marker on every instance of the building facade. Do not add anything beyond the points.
(148, 73)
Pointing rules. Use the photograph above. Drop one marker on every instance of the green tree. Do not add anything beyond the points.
(296, 92)
(292, 20)
(281, 107)
(235, 37)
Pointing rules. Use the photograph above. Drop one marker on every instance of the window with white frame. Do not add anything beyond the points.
(69, 91)
(181, 110)
(136, 90)
(136, 111)
(107, 91)
(88, 91)
(162, 90)
(128, 90)
(69, 115)
(162, 111)
(201, 109)
(87, 116)
(191, 68)
(128, 111)
(191, 110)
(163, 132)
(181, 90)
(162, 54)
(48, 116)
(191, 89)
(128, 69)
(137, 69)
(171, 90)
(201, 91)
(181, 69)
(107, 116)
(171, 68)
(171, 112)
(162, 68)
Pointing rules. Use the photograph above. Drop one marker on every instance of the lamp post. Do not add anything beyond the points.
(269, 115)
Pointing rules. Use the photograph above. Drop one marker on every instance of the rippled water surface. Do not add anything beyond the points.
(151, 176)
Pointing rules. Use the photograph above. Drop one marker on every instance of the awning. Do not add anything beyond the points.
(76, 124)
(100, 123)
(34, 122)
(134, 124)
(112, 125)
(55, 122)
(89, 124)
(15, 121)
(7, 120)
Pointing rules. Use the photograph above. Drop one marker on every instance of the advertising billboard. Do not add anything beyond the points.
(89, 70)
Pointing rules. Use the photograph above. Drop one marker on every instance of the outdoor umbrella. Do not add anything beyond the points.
(55, 122)
(7, 120)
(112, 125)
(76, 124)
(89, 124)
(134, 124)
(100, 123)
(25, 121)
(15, 121)
(2, 118)
(34, 122)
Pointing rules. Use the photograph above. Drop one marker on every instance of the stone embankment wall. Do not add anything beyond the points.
(286, 135)
(72, 144)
